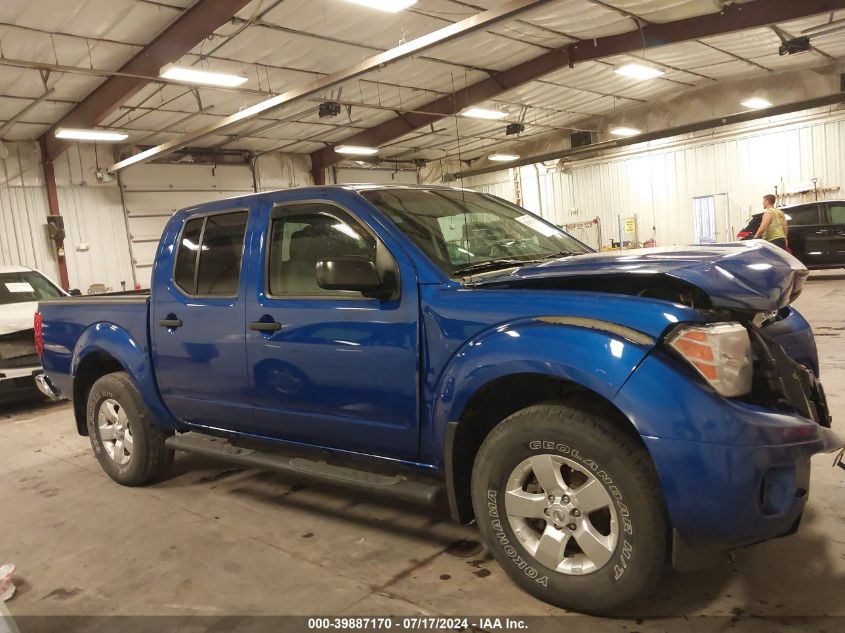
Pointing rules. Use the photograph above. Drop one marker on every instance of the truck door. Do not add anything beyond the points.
(835, 246)
(326, 367)
(197, 321)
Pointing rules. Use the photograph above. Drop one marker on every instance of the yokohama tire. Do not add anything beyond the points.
(116, 413)
(590, 448)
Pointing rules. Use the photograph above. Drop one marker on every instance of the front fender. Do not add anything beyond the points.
(596, 355)
(108, 338)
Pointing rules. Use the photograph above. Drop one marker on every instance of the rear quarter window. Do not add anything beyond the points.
(836, 213)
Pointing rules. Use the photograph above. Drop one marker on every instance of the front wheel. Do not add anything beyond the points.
(570, 507)
(129, 448)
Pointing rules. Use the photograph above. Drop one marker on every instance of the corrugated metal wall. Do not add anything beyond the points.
(657, 184)
(92, 212)
(96, 247)
(23, 237)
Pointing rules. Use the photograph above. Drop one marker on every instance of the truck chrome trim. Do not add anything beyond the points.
(596, 324)
(46, 387)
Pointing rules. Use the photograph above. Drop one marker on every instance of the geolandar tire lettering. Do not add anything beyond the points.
(570, 506)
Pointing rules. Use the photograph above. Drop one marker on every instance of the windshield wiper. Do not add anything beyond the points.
(494, 264)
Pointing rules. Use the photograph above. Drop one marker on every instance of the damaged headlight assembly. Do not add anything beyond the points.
(720, 352)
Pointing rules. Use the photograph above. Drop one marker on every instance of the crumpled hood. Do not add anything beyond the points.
(15, 317)
(752, 275)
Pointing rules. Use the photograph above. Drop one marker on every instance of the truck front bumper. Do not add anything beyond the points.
(732, 473)
(740, 494)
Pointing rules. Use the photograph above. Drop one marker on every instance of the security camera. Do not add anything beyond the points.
(795, 45)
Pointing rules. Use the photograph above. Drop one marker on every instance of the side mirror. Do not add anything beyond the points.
(75, 292)
(353, 273)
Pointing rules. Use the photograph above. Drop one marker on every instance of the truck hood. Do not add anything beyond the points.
(15, 317)
(749, 276)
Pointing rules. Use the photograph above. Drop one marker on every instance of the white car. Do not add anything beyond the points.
(21, 289)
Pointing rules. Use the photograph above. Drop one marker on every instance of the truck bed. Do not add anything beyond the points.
(75, 323)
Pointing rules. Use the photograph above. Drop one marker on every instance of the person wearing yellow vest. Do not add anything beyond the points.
(773, 227)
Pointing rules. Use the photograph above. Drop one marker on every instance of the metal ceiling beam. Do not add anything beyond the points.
(183, 34)
(689, 128)
(479, 21)
(735, 17)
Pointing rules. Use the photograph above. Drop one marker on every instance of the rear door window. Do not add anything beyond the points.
(208, 262)
(802, 216)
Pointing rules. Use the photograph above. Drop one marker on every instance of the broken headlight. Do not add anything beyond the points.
(720, 352)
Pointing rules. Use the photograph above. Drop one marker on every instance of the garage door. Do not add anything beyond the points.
(153, 193)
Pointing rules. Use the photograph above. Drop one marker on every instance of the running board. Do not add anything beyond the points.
(420, 491)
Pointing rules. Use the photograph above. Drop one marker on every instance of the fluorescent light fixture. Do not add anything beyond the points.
(757, 103)
(625, 131)
(90, 135)
(390, 6)
(357, 150)
(482, 113)
(638, 71)
(503, 157)
(204, 77)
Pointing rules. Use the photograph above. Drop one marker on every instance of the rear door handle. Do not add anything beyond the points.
(265, 326)
(170, 323)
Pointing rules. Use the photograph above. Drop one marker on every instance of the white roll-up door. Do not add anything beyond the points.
(153, 193)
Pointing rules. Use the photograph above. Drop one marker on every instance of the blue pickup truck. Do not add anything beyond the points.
(596, 414)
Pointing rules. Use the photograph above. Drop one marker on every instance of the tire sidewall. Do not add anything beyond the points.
(633, 560)
(107, 387)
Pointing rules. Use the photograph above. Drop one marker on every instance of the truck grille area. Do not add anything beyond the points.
(783, 384)
(18, 349)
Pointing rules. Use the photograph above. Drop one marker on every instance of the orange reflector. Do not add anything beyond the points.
(693, 350)
(708, 371)
(695, 335)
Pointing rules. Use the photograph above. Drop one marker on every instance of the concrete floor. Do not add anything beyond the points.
(213, 540)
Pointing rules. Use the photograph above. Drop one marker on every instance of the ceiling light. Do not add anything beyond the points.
(757, 103)
(482, 113)
(625, 131)
(90, 135)
(504, 158)
(390, 6)
(358, 150)
(205, 77)
(638, 71)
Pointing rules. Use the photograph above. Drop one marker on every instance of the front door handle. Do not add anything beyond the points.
(265, 326)
(170, 323)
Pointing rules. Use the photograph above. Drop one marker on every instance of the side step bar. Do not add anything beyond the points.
(420, 491)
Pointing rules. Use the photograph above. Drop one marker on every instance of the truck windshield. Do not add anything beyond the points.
(25, 286)
(466, 232)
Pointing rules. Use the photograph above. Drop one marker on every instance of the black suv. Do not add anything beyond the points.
(816, 232)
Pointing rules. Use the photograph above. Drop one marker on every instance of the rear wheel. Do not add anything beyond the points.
(129, 448)
(570, 507)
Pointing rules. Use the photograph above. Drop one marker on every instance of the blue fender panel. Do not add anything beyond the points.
(119, 344)
(592, 358)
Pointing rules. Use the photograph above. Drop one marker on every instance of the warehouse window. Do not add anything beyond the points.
(210, 252)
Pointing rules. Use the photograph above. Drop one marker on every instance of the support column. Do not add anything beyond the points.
(53, 204)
